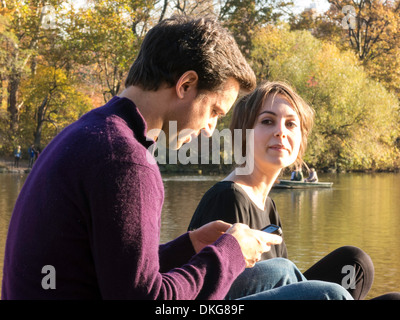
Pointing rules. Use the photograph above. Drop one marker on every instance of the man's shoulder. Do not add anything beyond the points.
(103, 137)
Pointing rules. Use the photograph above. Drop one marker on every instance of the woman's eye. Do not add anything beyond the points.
(291, 124)
(266, 121)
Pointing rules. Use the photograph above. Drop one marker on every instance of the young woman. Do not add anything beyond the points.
(281, 121)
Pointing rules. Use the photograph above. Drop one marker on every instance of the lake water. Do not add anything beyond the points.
(361, 210)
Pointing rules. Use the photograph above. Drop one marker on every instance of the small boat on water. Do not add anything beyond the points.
(288, 184)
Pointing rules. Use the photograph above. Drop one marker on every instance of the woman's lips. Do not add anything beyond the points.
(278, 147)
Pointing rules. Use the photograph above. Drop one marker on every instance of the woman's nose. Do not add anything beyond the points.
(280, 130)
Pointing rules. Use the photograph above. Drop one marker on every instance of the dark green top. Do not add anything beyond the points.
(227, 201)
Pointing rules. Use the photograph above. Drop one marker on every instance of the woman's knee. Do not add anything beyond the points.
(329, 291)
(363, 268)
(278, 264)
(281, 268)
(281, 263)
(354, 253)
(351, 255)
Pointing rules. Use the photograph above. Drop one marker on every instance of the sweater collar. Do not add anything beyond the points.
(127, 110)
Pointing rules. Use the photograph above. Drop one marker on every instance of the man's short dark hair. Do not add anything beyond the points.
(180, 44)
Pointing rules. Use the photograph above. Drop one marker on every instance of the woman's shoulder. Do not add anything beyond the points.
(270, 203)
(226, 189)
(223, 201)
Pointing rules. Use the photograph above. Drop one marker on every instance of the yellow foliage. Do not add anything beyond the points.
(356, 121)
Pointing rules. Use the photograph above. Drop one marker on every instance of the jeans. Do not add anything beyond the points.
(279, 279)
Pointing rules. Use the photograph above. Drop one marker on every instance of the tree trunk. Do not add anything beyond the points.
(1, 91)
(12, 107)
(39, 123)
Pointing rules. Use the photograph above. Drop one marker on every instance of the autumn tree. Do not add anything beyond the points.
(74, 47)
(371, 28)
(356, 117)
(192, 8)
(319, 24)
(19, 43)
(52, 101)
(244, 17)
(108, 36)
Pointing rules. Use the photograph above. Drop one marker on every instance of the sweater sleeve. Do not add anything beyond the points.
(167, 252)
(125, 232)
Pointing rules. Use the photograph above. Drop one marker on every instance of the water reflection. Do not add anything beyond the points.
(298, 200)
(182, 195)
(361, 210)
(10, 186)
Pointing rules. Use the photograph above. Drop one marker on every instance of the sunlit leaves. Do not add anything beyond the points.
(356, 117)
(52, 101)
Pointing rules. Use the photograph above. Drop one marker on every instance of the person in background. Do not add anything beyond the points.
(17, 156)
(297, 175)
(313, 177)
(32, 153)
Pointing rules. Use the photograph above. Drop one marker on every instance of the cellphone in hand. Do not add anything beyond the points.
(272, 228)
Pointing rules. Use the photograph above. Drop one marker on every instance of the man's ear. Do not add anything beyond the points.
(187, 83)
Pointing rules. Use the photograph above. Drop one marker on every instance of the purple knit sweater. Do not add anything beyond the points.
(91, 208)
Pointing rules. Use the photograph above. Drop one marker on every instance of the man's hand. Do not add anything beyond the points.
(253, 242)
(208, 234)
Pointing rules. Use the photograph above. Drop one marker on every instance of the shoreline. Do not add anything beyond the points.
(7, 166)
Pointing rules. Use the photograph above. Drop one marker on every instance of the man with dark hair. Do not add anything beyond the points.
(177, 45)
(86, 224)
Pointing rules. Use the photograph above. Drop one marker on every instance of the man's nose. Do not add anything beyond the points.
(210, 127)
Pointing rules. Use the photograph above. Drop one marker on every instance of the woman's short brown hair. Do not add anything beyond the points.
(247, 108)
(180, 44)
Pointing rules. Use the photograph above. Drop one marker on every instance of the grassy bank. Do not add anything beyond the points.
(7, 166)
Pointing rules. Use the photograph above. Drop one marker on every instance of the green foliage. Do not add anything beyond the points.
(243, 17)
(356, 117)
(374, 35)
(106, 35)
